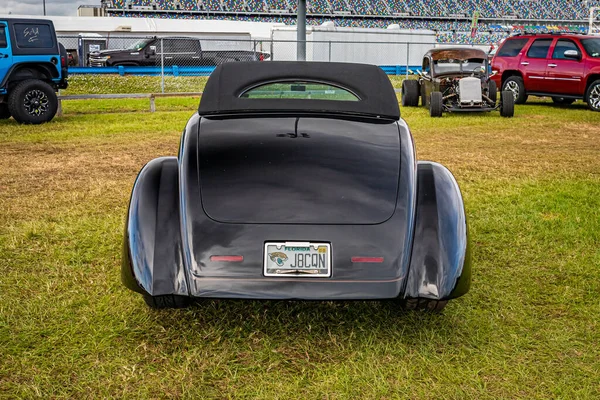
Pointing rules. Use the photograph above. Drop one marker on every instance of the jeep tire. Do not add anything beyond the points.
(507, 104)
(32, 102)
(435, 104)
(592, 96)
(515, 85)
(4, 112)
(411, 92)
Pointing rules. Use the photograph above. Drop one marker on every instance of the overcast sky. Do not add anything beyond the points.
(35, 7)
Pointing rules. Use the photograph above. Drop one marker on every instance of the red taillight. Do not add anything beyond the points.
(261, 57)
(367, 259)
(227, 258)
(63, 62)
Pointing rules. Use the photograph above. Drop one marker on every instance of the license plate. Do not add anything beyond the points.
(298, 259)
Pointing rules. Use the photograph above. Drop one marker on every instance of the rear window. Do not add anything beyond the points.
(512, 48)
(299, 90)
(539, 48)
(33, 36)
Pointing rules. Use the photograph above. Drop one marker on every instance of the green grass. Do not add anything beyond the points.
(529, 327)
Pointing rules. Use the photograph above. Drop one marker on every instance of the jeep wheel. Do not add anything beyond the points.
(32, 102)
(410, 93)
(435, 104)
(4, 112)
(515, 85)
(563, 100)
(507, 104)
(592, 96)
(493, 91)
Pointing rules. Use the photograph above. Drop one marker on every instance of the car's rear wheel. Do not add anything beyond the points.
(424, 304)
(410, 93)
(167, 301)
(493, 91)
(592, 96)
(33, 102)
(515, 85)
(436, 104)
(507, 104)
(4, 111)
(562, 100)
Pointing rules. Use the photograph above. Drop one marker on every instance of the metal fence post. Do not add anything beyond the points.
(330, 51)
(162, 66)
(407, 58)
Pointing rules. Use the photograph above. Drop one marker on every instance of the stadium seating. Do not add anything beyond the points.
(451, 22)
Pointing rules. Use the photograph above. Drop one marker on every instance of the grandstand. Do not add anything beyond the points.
(451, 19)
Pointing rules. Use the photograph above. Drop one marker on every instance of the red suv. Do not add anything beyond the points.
(564, 66)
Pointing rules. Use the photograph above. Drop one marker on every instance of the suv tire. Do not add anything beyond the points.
(435, 104)
(33, 102)
(515, 85)
(507, 104)
(592, 96)
(493, 91)
(410, 93)
(4, 112)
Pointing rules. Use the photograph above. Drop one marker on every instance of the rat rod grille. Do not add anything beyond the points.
(470, 90)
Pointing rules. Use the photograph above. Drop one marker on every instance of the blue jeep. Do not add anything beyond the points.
(33, 66)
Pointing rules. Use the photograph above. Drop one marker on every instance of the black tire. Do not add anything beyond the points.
(435, 104)
(32, 102)
(507, 104)
(563, 101)
(592, 96)
(515, 85)
(411, 91)
(493, 91)
(424, 305)
(4, 111)
(167, 301)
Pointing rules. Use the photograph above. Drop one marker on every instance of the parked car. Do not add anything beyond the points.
(33, 66)
(181, 51)
(455, 80)
(563, 66)
(296, 180)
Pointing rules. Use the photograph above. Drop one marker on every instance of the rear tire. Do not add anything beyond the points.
(563, 101)
(33, 102)
(507, 104)
(424, 305)
(493, 91)
(4, 112)
(515, 85)
(167, 301)
(435, 104)
(410, 93)
(592, 96)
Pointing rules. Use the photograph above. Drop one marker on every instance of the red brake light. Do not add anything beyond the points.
(63, 62)
(367, 259)
(261, 57)
(227, 258)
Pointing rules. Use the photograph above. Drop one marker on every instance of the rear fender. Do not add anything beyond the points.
(440, 266)
(152, 258)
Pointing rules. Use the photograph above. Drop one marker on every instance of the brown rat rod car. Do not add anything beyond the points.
(456, 79)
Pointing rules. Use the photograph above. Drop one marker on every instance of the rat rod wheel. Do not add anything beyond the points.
(507, 104)
(515, 85)
(492, 91)
(593, 96)
(33, 102)
(4, 112)
(436, 107)
(410, 93)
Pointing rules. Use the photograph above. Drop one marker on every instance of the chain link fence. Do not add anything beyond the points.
(170, 63)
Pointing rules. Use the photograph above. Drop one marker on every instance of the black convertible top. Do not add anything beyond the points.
(228, 81)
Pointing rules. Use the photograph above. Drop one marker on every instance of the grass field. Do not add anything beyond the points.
(528, 329)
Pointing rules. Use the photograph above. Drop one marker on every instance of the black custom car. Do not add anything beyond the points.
(296, 181)
(456, 79)
(180, 51)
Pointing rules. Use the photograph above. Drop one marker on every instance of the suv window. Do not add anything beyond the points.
(563, 45)
(539, 48)
(592, 47)
(36, 36)
(512, 48)
(3, 43)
